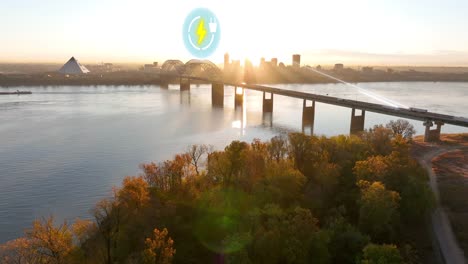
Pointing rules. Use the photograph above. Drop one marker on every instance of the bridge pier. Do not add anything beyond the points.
(308, 116)
(432, 135)
(238, 98)
(163, 82)
(184, 84)
(357, 122)
(267, 103)
(217, 94)
(267, 119)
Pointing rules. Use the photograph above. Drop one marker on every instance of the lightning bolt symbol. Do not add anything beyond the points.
(201, 31)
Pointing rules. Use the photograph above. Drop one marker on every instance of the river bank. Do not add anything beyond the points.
(446, 165)
(270, 76)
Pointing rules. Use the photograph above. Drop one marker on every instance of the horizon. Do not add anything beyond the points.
(364, 32)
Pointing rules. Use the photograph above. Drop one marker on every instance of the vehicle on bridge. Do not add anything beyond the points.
(419, 110)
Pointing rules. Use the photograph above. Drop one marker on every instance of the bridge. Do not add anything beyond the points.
(205, 71)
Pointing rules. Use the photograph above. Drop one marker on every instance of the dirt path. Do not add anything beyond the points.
(451, 251)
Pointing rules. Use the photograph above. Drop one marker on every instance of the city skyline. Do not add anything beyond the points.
(425, 33)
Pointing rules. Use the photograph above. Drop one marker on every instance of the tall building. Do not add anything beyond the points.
(235, 66)
(296, 61)
(262, 63)
(274, 62)
(226, 61)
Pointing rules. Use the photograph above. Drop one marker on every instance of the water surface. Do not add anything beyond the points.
(63, 148)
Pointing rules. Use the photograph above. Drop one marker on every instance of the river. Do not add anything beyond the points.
(63, 148)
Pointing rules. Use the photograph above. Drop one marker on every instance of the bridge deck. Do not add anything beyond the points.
(372, 107)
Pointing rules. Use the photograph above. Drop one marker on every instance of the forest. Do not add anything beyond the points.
(292, 199)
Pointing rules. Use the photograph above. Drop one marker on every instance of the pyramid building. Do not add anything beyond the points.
(73, 67)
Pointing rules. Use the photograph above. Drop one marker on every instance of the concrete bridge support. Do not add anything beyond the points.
(238, 97)
(357, 122)
(217, 94)
(432, 135)
(267, 119)
(184, 84)
(308, 116)
(267, 103)
(164, 82)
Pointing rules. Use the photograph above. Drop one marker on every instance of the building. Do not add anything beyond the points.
(296, 61)
(262, 63)
(339, 67)
(109, 67)
(73, 67)
(151, 67)
(235, 65)
(226, 61)
(274, 62)
(367, 69)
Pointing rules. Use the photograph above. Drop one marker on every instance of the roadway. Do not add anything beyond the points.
(371, 107)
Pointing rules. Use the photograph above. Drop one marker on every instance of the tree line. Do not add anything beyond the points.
(292, 199)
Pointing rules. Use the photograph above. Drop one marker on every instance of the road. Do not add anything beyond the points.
(451, 251)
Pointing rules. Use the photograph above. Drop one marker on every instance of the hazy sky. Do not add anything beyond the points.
(397, 32)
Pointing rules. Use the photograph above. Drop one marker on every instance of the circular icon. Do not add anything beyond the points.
(201, 32)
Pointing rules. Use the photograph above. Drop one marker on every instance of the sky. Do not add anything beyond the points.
(358, 32)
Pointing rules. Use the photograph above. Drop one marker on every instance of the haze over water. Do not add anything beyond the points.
(63, 148)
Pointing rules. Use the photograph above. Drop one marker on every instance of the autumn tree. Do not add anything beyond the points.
(374, 168)
(219, 168)
(378, 212)
(277, 148)
(379, 139)
(108, 216)
(301, 150)
(381, 254)
(134, 194)
(234, 152)
(153, 175)
(54, 244)
(196, 153)
(401, 127)
(283, 236)
(283, 185)
(345, 240)
(159, 249)
(19, 251)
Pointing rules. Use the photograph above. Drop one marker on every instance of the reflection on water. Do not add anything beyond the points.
(63, 148)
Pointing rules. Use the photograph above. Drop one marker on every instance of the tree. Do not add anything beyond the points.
(318, 252)
(134, 194)
(196, 152)
(300, 148)
(379, 138)
(381, 254)
(401, 127)
(219, 168)
(346, 242)
(283, 236)
(307, 153)
(52, 244)
(278, 148)
(107, 215)
(159, 249)
(374, 168)
(234, 153)
(46, 243)
(282, 185)
(19, 251)
(378, 212)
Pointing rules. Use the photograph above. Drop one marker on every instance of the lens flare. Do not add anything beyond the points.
(221, 224)
(366, 92)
